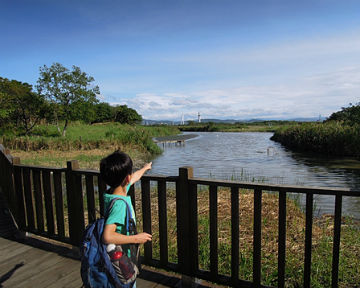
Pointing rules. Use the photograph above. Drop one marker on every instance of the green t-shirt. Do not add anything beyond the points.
(117, 214)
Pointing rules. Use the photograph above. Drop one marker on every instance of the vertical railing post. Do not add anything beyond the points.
(213, 203)
(19, 195)
(308, 239)
(183, 220)
(7, 189)
(7, 183)
(235, 235)
(282, 238)
(75, 203)
(59, 204)
(30, 213)
(90, 197)
(146, 208)
(257, 238)
(336, 242)
(163, 223)
(48, 199)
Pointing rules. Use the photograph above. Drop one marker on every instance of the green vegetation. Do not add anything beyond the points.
(331, 138)
(339, 135)
(348, 115)
(52, 125)
(20, 106)
(259, 126)
(62, 96)
(349, 266)
(67, 91)
(86, 143)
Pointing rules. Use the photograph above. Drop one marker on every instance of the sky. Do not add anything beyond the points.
(225, 59)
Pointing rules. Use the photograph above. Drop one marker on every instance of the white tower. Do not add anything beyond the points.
(182, 119)
(199, 117)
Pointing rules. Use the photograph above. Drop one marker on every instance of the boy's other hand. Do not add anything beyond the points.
(143, 237)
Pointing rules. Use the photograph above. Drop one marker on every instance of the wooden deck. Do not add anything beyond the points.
(23, 265)
(175, 138)
(26, 265)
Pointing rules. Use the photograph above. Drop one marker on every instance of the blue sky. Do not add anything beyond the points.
(224, 59)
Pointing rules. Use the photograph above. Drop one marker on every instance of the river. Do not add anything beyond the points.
(253, 157)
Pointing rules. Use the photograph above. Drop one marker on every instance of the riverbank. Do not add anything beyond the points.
(259, 126)
(331, 138)
(86, 143)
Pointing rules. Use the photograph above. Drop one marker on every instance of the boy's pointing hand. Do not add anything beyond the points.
(147, 166)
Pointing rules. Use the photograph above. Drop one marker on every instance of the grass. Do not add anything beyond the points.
(86, 143)
(88, 159)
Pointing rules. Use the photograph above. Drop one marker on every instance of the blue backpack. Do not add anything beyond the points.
(96, 268)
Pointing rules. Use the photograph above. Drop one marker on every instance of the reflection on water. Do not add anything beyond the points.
(254, 157)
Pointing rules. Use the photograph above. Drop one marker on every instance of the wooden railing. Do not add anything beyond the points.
(58, 203)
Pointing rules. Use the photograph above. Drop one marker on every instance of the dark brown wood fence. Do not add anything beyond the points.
(58, 203)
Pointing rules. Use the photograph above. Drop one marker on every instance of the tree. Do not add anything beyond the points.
(83, 111)
(349, 115)
(66, 88)
(20, 105)
(5, 107)
(126, 115)
(103, 113)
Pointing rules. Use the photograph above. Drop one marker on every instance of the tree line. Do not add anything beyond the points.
(61, 95)
(347, 115)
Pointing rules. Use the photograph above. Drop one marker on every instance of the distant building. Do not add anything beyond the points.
(199, 118)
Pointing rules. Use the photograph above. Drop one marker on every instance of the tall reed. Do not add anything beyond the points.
(331, 138)
(87, 137)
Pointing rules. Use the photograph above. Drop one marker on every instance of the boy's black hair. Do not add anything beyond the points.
(115, 167)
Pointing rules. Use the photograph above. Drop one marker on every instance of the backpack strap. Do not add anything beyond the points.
(128, 211)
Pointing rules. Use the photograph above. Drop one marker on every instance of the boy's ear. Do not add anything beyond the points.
(128, 179)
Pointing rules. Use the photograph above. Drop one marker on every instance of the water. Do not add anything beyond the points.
(254, 157)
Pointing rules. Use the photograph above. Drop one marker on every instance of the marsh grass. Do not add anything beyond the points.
(330, 138)
(85, 137)
(86, 143)
(88, 159)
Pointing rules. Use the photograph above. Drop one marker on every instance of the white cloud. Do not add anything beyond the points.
(308, 97)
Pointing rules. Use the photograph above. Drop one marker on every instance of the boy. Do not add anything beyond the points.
(116, 171)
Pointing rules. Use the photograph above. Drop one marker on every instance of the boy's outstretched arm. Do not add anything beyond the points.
(139, 173)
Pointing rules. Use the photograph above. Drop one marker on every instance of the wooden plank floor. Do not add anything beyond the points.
(23, 265)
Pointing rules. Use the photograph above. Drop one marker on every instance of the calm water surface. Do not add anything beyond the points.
(254, 157)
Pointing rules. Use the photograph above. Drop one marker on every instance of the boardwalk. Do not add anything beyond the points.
(51, 266)
(26, 266)
(175, 138)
